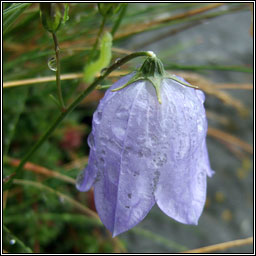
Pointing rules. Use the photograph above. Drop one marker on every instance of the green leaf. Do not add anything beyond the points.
(14, 7)
(13, 106)
(11, 14)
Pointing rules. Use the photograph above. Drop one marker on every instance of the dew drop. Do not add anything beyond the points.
(200, 96)
(136, 173)
(156, 179)
(200, 177)
(119, 132)
(80, 180)
(122, 112)
(118, 59)
(97, 117)
(52, 63)
(127, 150)
(119, 125)
(152, 54)
(62, 199)
(98, 177)
(12, 241)
(159, 159)
(144, 152)
(91, 141)
(102, 161)
(103, 71)
(154, 139)
(199, 125)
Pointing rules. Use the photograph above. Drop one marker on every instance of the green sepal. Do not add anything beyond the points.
(152, 70)
(172, 77)
(134, 79)
(156, 82)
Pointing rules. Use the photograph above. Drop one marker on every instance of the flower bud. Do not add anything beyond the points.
(53, 15)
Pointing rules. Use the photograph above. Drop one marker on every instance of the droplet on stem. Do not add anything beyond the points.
(12, 241)
(117, 60)
(52, 63)
(103, 71)
(62, 199)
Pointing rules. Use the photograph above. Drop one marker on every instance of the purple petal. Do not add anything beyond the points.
(205, 162)
(123, 191)
(181, 189)
(181, 184)
(86, 178)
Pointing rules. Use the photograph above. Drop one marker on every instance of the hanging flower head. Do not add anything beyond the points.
(147, 146)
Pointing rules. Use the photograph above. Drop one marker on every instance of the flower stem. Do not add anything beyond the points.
(71, 107)
(58, 81)
(92, 53)
(119, 20)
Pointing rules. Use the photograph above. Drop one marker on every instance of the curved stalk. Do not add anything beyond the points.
(71, 107)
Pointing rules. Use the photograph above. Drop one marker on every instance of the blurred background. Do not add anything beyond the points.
(210, 45)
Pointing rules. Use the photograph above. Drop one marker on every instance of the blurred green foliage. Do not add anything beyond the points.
(41, 221)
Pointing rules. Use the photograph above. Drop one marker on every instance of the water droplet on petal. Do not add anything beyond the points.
(122, 112)
(91, 141)
(97, 116)
(52, 63)
(159, 159)
(119, 132)
(200, 177)
(144, 152)
(156, 179)
(200, 125)
(80, 180)
(200, 95)
(12, 241)
(102, 161)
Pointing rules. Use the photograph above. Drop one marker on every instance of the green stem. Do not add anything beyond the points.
(58, 81)
(119, 20)
(53, 126)
(97, 39)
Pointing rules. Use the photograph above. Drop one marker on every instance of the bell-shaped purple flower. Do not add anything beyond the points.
(143, 152)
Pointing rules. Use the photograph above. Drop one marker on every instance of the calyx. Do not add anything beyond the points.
(153, 71)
